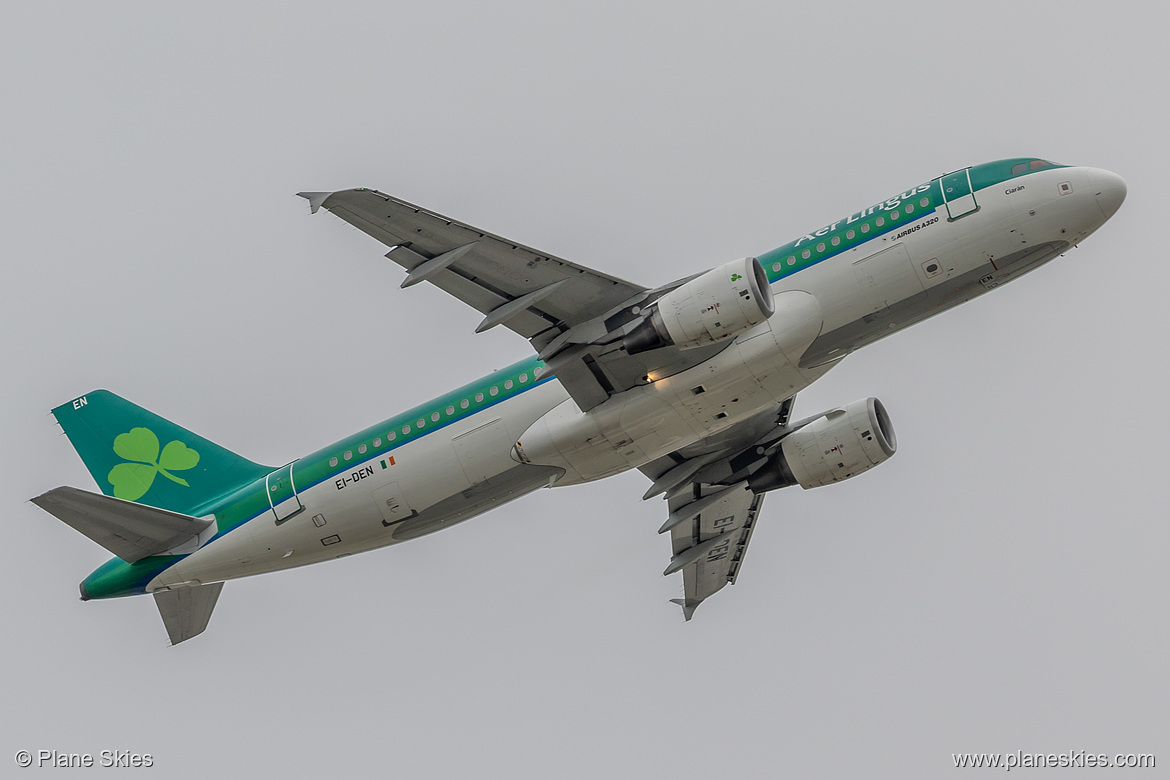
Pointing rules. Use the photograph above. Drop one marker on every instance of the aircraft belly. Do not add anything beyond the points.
(757, 371)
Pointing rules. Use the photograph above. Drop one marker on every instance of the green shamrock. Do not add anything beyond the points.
(735, 277)
(140, 445)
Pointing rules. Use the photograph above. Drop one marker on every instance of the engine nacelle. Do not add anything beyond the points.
(840, 444)
(715, 306)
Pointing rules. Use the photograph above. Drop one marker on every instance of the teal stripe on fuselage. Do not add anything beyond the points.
(983, 176)
(780, 256)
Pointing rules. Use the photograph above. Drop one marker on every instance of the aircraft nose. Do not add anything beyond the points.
(1109, 189)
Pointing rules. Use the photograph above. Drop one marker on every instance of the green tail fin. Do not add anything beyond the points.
(138, 456)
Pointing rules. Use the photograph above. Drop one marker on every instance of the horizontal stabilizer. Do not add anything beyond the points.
(185, 611)
(130, 531)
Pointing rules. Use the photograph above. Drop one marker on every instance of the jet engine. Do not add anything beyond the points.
(838, 445)
(714, 306)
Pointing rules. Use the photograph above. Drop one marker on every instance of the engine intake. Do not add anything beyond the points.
(840, 444)
(714, 306)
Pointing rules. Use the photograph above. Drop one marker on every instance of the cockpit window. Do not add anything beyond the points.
(1019, 168)
(1036, 165)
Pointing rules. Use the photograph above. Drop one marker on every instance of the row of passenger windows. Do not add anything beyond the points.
(435, 417)
(851, 233)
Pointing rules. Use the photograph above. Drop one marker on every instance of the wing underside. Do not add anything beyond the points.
(710, 547)
(712, 511)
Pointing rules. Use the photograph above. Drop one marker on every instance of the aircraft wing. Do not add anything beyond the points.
(712, 510)
(709, 548)
(573, 316)
(485, 271)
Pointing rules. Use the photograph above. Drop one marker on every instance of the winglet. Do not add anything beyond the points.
(315, 199)
(688, 609)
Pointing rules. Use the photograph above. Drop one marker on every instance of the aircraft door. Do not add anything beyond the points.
(957, 194)
(282, 494)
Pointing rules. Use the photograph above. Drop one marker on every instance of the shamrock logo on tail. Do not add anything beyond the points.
(140, 445)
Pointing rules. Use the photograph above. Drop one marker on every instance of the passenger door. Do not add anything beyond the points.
(282, 494)
(957, 194)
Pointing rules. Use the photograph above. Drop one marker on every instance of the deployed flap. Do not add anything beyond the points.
(130, 531)
(185, 611)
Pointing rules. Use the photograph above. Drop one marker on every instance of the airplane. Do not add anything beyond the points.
(692, 383)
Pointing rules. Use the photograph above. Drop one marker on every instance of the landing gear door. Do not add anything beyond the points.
(957, 194)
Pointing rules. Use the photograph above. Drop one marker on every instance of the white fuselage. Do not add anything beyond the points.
(822, 314)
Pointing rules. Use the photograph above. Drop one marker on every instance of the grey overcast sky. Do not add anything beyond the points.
(1000, 585)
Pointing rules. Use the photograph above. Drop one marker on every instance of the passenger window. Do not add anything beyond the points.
(508, 385)
(865, 228)
(421, 423)
(523, 378)
(479, 398)
(1019, 168)
(909, 208)
(820, 247)
(378, 442)
(435, 417)
(880, 221)
(333, 461)
(361, 449)
(464, 404)
(405, 429)
(495, 390)
(348, 454)
(836, 240)
(850, 233)
(450, 410)
(391, 436)
(805, 254)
